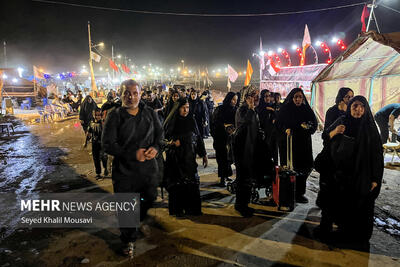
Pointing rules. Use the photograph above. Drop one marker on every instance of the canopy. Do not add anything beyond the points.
(370, 66)
(290, 77)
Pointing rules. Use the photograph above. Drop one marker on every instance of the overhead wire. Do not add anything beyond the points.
(198, 14)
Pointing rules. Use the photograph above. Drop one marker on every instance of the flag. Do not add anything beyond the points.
(249, 72)
(272, 68)
(125, 68)
(306, 43)
(229, 85)
(364, 15)
(96, 57)
(37, 73)
(232, 74)
(112, 65)
(262, 62)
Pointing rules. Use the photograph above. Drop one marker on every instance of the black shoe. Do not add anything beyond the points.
(228, 179)
(301, 199)
(323, 233)
(98, 177)
(245, 211)
(105, 174)
(222, 183)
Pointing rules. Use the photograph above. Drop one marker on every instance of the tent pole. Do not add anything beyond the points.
(312, 94)
(371, 88)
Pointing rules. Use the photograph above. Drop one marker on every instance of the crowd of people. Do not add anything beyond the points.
(154, 137)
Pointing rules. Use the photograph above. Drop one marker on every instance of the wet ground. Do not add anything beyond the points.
(48, 157)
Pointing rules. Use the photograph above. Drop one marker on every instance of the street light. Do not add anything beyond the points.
(101, 44)
(119, 56)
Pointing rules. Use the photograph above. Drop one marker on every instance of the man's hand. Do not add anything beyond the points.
(150, 153)
(373, 185)
(205, 161)
(140, 155)
(338, 130)
(288, 131)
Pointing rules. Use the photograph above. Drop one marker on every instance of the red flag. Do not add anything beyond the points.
(125, 68)
(112, 65)
(364, 15)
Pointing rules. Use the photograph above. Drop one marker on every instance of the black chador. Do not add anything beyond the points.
(183, 143)
(351, 168)
(222, 123)
(302, 123)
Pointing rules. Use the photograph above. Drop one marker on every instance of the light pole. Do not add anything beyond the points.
(5, 53)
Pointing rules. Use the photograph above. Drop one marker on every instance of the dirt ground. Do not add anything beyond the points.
(48, 157)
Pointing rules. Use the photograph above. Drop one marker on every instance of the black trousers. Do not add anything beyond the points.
(148, 194)
(383, 128)
(301, 182)
(243, 189)
(98, 156)
(221, 153)
(184, 199)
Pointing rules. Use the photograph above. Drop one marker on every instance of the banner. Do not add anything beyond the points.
(96, 57)
(37, 73)
(249, 72)
(112, 65)
(232, 74)
(306, 43)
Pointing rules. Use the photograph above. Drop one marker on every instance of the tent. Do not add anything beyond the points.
(290, 77)
(370, 66)
(15, 86)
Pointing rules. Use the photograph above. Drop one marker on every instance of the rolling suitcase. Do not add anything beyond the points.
(284, 184)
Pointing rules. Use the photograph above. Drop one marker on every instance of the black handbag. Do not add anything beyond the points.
(342, 149)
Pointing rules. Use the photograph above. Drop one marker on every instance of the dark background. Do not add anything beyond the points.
(55, 36)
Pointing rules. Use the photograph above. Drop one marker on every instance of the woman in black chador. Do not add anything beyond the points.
(296, 118)
(86, 112)
(222, 124)
(181, 178)
(267, 115)
(199, 109)
(352, 170)
(339, 109)
(251, 154)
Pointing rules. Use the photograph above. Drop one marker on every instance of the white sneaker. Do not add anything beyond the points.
(130, 249)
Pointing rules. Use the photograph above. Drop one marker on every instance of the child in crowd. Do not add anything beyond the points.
(94, 133)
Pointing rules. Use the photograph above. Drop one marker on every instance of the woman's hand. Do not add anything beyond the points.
(205, 161)
(338, 130)
(288, 131)
(373, 185)
(177, 143)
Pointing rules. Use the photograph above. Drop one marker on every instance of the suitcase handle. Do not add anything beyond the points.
(289, 151)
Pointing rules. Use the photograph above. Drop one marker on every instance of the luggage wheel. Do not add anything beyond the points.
(255, 196)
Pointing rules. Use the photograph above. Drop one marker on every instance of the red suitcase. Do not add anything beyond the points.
(284, 184)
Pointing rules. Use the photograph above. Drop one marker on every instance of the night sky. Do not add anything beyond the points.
(55, 36)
